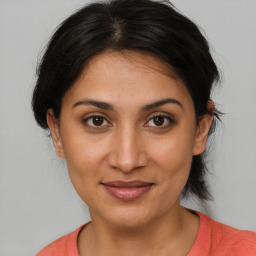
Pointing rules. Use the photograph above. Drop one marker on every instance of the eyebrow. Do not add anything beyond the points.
(160, 103)
(96, 103)
(107, 106)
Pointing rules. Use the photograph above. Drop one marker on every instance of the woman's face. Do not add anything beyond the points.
(128, 133)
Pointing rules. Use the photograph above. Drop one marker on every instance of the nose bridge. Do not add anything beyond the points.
(128, 152)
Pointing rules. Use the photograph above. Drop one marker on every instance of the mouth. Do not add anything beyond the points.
(127, 191)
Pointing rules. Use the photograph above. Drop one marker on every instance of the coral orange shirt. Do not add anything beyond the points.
(213, 239)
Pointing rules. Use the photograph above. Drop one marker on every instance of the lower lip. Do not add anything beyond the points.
(127, 194)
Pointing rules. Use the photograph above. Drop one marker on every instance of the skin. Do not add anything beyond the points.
(129, 144)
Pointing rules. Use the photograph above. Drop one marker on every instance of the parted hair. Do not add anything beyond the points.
(156, 28)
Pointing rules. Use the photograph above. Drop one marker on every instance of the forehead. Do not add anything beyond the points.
(133, 60)
(127, 75)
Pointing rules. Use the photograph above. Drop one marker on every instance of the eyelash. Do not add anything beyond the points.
(169, 119)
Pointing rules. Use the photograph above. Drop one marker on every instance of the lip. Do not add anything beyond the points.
(127, 191)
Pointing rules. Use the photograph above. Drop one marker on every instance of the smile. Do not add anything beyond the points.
(127, 191)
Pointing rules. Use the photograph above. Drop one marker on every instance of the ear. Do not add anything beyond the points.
(203, 130)
(55, 131)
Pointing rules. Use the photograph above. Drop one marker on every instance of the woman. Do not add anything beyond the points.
(124, 88)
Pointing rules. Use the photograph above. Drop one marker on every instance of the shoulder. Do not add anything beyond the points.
(58, 247)
(63, 246)
(226, 240)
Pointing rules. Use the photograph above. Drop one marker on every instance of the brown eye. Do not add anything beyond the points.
(96, 121)
(158, 120)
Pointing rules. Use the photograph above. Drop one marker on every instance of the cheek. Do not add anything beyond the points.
(84, 165)
(173, 156)
(84, 157)
(173, 151)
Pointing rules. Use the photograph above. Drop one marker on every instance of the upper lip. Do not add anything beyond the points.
(127, 184)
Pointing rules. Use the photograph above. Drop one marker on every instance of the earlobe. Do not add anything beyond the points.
(55, 132)
(203, 130)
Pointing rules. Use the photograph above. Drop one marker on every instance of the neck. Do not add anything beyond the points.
(174, 233)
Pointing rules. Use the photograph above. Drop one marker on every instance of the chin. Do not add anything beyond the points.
(129, 217)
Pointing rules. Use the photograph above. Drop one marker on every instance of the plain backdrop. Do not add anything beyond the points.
(38, 203)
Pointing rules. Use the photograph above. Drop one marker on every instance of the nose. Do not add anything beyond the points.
(128, 152)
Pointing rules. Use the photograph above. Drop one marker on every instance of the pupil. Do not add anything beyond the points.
(97, 120)
(159, 120)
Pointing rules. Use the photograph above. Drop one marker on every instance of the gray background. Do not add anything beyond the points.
(38, 203)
